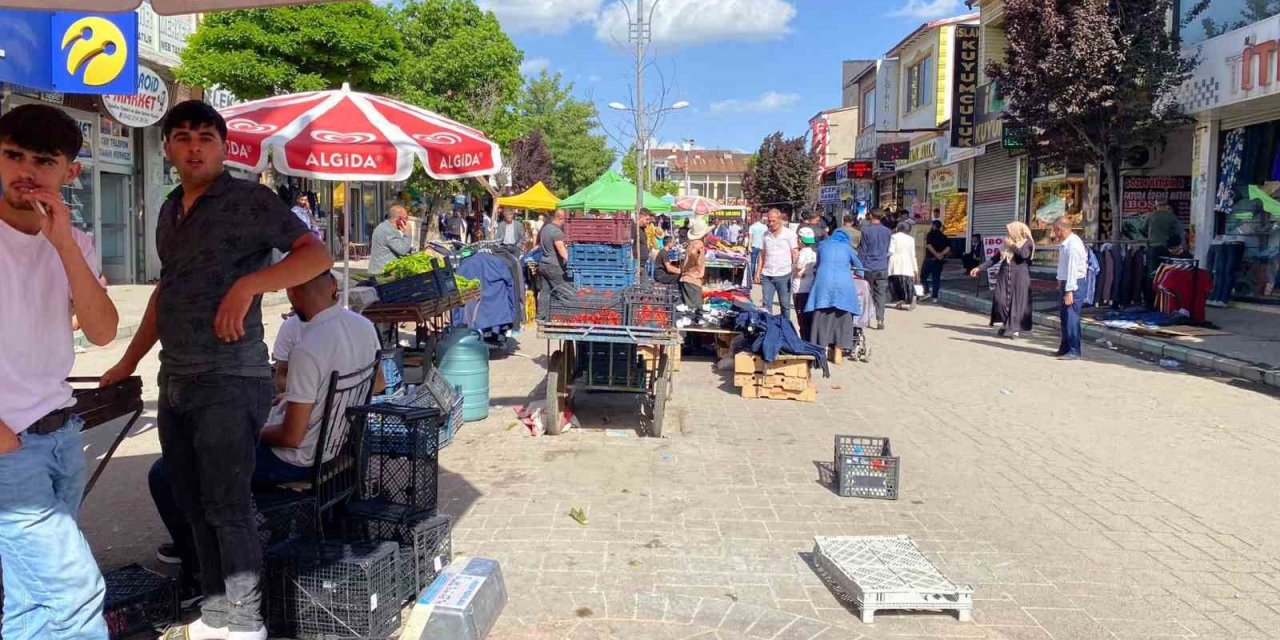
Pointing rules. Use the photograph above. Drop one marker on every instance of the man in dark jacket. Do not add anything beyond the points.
(874, 251)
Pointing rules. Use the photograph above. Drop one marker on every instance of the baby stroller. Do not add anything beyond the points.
(861, 348)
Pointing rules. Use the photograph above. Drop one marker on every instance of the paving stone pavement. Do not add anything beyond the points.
(1082, 500)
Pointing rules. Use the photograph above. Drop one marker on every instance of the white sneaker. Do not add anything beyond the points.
(198, 630)
(260, 634)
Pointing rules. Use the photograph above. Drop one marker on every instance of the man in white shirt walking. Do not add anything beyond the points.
(1073, 262)
(779, 251)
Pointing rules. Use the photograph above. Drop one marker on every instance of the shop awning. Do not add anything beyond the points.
(538, 197)
(612, 192)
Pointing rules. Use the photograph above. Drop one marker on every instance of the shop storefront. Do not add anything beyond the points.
(913, 173)
(1235, 168)
(1056, 192)
(948, 201)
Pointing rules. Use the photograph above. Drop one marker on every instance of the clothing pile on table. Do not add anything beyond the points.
(769, 335)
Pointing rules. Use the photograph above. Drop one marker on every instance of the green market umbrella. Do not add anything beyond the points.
(612, 192)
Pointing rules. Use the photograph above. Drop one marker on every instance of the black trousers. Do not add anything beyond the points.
(879, 281)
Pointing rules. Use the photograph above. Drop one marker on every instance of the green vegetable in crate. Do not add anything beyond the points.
(466, 284)
(408, 266)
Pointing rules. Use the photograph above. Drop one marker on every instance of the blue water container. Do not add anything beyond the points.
(463, 359)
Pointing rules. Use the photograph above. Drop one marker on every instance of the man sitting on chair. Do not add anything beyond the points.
(334, 339)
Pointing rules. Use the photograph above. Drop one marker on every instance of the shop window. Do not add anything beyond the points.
(1221, 16)
(1247, 205)
(868, 109)
(1052, 198)
(918, 85)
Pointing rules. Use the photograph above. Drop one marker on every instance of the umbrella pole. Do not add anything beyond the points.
(346, 245)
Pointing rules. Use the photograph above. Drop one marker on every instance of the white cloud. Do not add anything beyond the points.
(543, 16)
(534, 66)
(929, 9)
(677, 22)
(768, 101)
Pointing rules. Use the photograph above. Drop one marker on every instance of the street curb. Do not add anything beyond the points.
(127, 331)
(1152, 346)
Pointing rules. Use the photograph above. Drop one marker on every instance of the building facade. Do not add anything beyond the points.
(711, 173)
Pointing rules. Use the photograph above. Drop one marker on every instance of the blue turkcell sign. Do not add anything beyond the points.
(70, 52)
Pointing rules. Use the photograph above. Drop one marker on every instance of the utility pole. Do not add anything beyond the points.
(640, 34)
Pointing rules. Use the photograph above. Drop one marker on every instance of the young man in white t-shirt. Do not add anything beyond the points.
(779, 251)
(48, 270)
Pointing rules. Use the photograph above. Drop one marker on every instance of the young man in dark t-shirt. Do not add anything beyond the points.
(215, 235)
(937, 247)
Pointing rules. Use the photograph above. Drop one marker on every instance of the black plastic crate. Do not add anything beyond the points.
(333, 590)
(426, 545)
(866, 468)
(138, 599)
(432, 285)
(653, 306)
(610, 364)
(586, 305)
(285, 515)
(405, 425)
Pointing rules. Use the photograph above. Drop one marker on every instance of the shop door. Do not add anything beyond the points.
(117, 232)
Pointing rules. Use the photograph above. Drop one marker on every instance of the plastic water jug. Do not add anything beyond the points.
(463, 359)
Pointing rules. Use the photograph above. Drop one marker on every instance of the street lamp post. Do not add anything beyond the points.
(642, 152)
(688, 146)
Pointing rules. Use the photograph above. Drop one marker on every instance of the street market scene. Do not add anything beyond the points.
(596, 319)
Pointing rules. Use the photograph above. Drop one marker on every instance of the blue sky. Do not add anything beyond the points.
(748, 67)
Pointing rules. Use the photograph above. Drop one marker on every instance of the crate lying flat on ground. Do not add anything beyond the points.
(788, 377)
(138, 599)
(865, 467)
(333, 590)
(877, 573)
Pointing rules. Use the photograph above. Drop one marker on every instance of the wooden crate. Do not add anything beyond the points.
(785, 365)
(789, 383)
(809, 394)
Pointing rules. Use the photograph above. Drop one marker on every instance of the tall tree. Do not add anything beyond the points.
(781, 174)
(1133, 66)
(258, 53)
(530, 162)
(579, 154)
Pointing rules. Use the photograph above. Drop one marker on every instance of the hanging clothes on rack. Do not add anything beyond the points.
(1182, 288)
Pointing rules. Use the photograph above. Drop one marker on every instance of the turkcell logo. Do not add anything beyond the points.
(95, 53)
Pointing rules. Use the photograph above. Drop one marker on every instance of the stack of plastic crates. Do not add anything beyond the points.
(609, 364)
(866, 468)
(600, 252)
(333, 590)
(398, 456)
(138, 599)
(651, 306)
(426, 544)
(284, 515)
(588, 305)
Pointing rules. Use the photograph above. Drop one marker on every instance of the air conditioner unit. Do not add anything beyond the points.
(1141, 157)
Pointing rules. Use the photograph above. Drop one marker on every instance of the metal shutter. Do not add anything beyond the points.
(995, 192)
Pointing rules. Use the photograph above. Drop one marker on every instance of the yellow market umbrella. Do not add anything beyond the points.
(538, 198)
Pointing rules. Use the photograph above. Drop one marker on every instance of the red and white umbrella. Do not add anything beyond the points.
(347, 135)
(697, 204)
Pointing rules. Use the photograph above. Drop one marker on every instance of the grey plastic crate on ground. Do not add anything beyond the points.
(333, 590)
(876, 573)
(426, 544)
(865, 467)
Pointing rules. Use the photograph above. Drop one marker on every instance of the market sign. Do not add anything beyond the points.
(861, 169)
(68, 52)
(1014, 138)
(144, 108)
(944, 180)
(964, 87)
(1140, 194)
(893, 151)
(921, 152)
(115, 143)
(829, 194)
(991, 247)
(989, 119)
(842, 173)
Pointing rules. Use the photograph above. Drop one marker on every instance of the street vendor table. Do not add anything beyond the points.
(565, 375)
(723, 338)
(432, 316)
(97, 406)
(724, 271)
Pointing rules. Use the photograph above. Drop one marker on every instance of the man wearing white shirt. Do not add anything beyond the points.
(1073, 263)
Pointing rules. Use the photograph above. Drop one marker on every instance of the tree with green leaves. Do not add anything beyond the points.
(1133, 66)
(258, 53)
(782, 174)
(579, 153)
(664, 188)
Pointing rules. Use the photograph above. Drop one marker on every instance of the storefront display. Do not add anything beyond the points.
(1054, 196)
(1140, 195)
(1247, 207)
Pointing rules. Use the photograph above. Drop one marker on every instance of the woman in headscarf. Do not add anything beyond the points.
(1011, 300)
(833, 300)
(903, 269)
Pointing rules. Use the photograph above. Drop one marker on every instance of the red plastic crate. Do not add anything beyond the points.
(589, 306)
(604, 230)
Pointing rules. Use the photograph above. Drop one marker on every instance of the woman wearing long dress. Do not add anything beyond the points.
(833, 300)
(1011, 299)
(903, 269)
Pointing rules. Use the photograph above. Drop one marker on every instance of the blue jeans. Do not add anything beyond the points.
(781, 286)
(1224, 259)
(755, 262)
(52, 585)
(931, 275)
(1069, 315)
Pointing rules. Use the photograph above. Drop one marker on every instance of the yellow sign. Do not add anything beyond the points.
(927, 150)
(943, 83)
(98, 50)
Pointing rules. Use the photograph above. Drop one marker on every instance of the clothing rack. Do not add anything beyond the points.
(1192, 265)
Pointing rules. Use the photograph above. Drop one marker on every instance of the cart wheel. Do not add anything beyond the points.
(864, 350)
(661, 389)
(556, 396)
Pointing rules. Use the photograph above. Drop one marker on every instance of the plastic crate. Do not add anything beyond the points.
(391, 362)
(138, 599)
(866, 468)
(605, 229)
(590, 305)
(604, 279)
(398, 455)
(407, 426)
(887, 572)
(426, 544)
(651, 306)
(446, 396)
(601, 256)
(283, 516)
(610, 364)
(432, 285)
(333, 590)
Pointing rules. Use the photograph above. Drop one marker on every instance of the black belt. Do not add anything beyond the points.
(50, 423)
